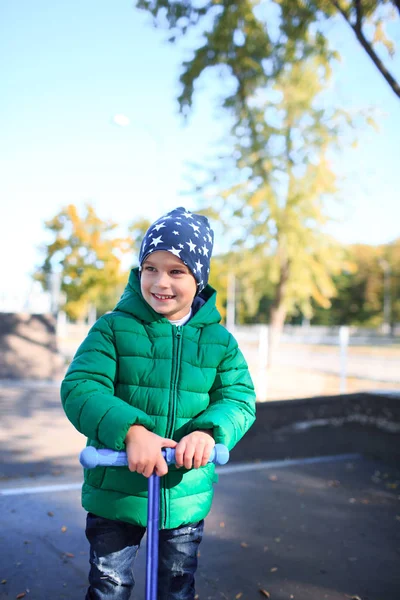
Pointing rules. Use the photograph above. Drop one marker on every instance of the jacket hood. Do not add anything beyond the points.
(132, 302)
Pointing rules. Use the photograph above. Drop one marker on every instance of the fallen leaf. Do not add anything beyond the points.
(244, 545)
(22, 595)
(397, 517)
(353, 597)
(27, 541)
(50, 514)
(63, 529)
(266, 548)
(352, 500)
(274, 569)
(333, 483)
(265, 593)
(4, 581)
(273, 478)
(277, 540)
(222, 524)
(239, 595)
(69, 555)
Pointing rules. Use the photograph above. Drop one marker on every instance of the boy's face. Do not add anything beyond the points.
(167, 284)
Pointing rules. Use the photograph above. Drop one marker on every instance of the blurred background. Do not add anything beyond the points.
(280, 120)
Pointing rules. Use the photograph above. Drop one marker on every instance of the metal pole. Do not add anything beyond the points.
(231, 303)
(386, 295)
(152, 537)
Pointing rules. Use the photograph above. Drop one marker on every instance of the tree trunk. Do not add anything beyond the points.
(278, 311)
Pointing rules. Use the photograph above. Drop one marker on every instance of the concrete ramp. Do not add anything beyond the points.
(28, 347)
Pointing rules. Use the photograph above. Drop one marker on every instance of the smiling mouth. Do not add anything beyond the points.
(162, 297)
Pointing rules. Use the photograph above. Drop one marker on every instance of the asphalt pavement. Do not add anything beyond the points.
(305, 529)
(311, 529)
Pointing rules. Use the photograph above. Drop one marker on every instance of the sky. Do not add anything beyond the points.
(88, 113)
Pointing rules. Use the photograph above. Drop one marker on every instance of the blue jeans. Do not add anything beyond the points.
(113, 549)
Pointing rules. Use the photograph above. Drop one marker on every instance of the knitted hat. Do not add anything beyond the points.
(186, 235)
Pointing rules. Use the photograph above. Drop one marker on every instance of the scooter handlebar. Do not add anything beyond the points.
(91, 457)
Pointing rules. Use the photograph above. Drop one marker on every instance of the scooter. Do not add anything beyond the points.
(91, 457)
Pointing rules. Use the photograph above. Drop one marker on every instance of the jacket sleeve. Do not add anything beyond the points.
(232, 406)
(87, 392)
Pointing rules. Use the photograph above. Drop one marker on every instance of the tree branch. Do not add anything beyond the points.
(397, 3)
(357, 28)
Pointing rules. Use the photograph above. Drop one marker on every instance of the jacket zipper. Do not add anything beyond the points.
(176, 357)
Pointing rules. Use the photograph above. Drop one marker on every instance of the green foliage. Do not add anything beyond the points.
(88, 254)
(137, 230)
(360, 290)
(275, 208)
(392, 256)
(254, 40)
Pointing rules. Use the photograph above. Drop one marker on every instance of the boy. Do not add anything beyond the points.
(158, 371)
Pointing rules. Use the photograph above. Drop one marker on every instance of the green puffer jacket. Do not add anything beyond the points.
(135, 367)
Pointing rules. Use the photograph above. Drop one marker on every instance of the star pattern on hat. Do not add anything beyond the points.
(159, 226)
(156, 241)
(187, 236)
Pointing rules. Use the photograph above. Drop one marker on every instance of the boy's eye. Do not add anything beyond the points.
(177, 272)
(148, 268)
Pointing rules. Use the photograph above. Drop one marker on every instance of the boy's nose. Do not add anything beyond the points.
(162, 280)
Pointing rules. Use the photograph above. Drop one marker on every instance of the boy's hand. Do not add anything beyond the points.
(194, 450)
(143, 450)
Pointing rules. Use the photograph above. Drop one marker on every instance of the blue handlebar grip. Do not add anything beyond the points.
(91, 457)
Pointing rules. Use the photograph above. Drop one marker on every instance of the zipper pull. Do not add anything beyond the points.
(179, 331)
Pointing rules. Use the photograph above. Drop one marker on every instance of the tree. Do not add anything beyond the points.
(368, 294)
(276, 204)
(137, 230)
(87, 254)
(253, 40)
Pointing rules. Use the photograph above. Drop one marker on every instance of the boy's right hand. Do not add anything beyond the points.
(143, 450)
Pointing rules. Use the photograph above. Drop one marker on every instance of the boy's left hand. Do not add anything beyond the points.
(194, 450)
